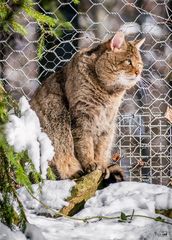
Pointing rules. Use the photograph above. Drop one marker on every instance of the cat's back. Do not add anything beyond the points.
(49, 102)
(49, 89)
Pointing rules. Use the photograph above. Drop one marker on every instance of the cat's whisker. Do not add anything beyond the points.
(147, 83)
(144, 89)
(148, 80)
(143, 84)
(143, 80)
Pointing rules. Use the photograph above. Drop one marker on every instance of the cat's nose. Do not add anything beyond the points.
(136, 72)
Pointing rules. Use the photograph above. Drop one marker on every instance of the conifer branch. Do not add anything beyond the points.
(10, 13)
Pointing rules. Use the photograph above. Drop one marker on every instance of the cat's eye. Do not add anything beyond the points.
(140, 64)
(128, 62)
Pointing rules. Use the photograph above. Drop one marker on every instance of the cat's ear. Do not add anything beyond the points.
(117, 41)
(138, 43)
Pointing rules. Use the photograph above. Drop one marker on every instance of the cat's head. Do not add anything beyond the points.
(120, 65)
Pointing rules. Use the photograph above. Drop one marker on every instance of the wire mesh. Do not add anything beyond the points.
(144, 134)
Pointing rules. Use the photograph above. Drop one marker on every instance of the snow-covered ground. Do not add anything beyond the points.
(124, 197)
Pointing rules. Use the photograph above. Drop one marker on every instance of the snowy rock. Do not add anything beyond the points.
(125, 196)
(24, 133)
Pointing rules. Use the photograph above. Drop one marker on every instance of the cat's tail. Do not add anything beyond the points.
(114, 173)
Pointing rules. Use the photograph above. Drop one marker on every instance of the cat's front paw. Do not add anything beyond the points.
(77, 175)
(67, 167)
(90, 167)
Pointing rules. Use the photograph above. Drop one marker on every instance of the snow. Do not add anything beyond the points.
(51, 193)
(148, 26)
(7, 234)
(33, 232)
(124, 197)
(24, 133)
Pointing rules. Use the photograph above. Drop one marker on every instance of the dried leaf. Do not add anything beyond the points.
(168, 114)
(116, 157)
(139, 164)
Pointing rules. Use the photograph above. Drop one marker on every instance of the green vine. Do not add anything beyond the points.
(121, 218)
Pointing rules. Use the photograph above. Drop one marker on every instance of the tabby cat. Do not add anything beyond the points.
(78, 105)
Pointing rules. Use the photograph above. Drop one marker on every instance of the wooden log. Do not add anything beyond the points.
(84, 189)
(87, 186)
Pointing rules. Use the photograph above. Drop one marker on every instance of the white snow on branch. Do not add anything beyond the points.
(24, 133)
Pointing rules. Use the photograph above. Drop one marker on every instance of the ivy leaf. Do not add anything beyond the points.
(123, 216)
(159, 219)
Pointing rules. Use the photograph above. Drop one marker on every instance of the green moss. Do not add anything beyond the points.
(165, 212)
(84, 189)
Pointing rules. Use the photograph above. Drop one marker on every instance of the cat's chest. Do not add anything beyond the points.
(104, 119)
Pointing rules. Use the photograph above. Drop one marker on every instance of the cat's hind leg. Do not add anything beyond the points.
(55, 121)
(64, 160)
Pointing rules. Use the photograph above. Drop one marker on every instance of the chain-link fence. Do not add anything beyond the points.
(144, 134)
